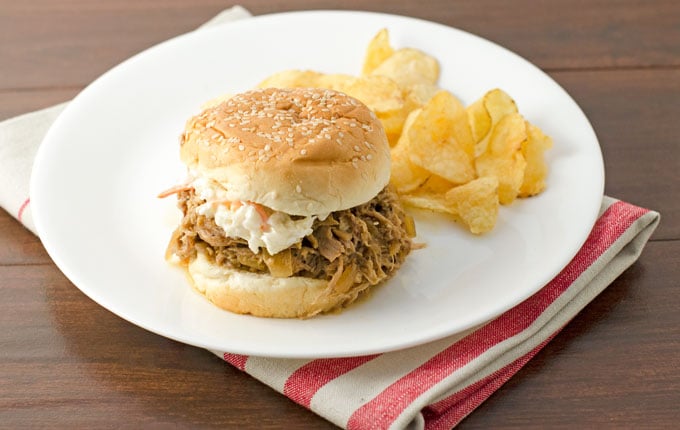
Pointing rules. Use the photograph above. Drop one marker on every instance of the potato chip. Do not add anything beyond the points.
(378, 50)
(291, 79)
(334, 81)
(437, 184)
(476, 204)
(406, 176)
(408, 67)
(480, 121)
(417, 95)
(536, 171)
(378, 93)
(440, 139)
(408, 123)
(503, 158)
(393, 124)
(497, 104)
(216, 101)
(430, 201)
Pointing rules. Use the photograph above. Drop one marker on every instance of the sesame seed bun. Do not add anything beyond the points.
(300, 151)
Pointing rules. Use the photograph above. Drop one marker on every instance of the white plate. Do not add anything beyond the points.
(115, 147)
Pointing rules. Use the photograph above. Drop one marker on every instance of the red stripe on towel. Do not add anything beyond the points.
(236, 360)
(308, 379)
(383, 409)
(22, 208)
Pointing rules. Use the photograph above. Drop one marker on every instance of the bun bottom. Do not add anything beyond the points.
(264, 295)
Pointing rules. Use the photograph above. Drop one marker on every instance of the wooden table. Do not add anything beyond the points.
(65, 361)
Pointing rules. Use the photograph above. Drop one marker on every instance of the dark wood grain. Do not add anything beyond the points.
(93, 36)
(18, 245)
(67, 362)
(17, 102)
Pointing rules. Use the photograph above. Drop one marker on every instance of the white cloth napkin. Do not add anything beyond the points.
(432, 386)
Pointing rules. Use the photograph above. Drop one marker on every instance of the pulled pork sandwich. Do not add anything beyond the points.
(287, 208)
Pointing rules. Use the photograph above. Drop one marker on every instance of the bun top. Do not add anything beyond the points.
(302, 151)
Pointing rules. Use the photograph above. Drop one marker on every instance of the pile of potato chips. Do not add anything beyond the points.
(445, 157)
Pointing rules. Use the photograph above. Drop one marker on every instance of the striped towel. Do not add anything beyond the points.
(432, 386)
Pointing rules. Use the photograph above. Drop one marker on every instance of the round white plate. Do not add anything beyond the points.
(115, 147)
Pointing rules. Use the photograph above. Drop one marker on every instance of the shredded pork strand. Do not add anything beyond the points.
(363, 245)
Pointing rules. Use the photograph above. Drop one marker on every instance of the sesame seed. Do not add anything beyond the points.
(356, 148)
(241, 148)
(369, 157)
(303, 152)
(298, 188)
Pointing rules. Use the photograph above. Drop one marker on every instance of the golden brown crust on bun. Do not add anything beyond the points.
(300, 151)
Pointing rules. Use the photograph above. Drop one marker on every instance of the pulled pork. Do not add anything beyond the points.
(352, 248)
